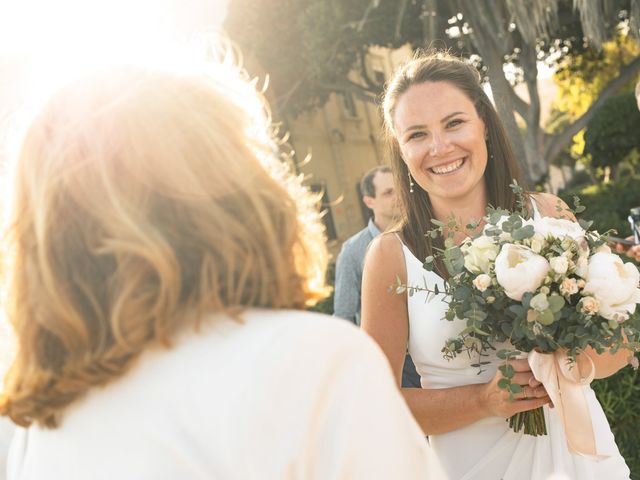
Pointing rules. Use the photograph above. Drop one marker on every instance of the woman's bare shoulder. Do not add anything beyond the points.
(388, 243)
(384, 254)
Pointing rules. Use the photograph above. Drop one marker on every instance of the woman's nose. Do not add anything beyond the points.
(439, 145)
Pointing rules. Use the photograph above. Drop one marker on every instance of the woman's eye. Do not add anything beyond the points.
(416, 135)
(454, 123)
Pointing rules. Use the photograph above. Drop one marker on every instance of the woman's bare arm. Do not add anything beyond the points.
(385, 318)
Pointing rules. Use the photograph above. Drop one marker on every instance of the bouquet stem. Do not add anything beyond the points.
(532, 421)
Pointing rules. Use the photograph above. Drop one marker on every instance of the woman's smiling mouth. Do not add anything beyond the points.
(448, 167)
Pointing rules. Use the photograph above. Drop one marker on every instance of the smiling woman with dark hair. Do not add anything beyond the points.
(452, 158)
(161, 255)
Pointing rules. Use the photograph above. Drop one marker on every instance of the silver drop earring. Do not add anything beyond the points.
(410, 183)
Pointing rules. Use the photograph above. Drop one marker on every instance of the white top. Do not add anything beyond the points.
(488, 449)
(285, 395)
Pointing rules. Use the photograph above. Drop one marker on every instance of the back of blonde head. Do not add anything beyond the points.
(145, 200)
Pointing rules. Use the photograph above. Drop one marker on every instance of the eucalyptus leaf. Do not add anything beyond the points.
(523, 232)
(504, 383)
(515, 388)
(586, 224)
(507, 370)
(556, 302)
(545, 317)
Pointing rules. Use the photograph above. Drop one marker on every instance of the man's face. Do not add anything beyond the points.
(385, 203)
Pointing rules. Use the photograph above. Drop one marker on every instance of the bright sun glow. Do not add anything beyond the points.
(58, 39)
(44, 43)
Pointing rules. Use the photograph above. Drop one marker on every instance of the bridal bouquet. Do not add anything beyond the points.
(550, 287)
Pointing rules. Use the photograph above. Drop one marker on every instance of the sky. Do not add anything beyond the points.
(44, 42)
(37, 27)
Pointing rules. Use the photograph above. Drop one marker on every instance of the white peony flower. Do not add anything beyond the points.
(482, 282)
(613, 283)
(558, 228)
(479, 254)
(519, 270)
(620, 317)
(559, 264)
(603, 249)
(582, 267)
(583, 246)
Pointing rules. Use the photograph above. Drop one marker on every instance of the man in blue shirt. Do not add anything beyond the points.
(379, 195)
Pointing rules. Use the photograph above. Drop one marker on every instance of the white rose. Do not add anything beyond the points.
(569, 286)
(613, 283)
(537, 242)
(559, 264)
(567, 243)
(603, 249)
(482, 282)
(519, 270)
(479, 254)
(590, 306)
(558, 228)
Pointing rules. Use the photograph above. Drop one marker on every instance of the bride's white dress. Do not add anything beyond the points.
(489, 449)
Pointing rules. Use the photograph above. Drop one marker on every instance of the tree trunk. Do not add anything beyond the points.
(490, 38)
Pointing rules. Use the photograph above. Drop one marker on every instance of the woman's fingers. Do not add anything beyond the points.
(520, 365)
(524, 378)
(530, 392)
(531, 403)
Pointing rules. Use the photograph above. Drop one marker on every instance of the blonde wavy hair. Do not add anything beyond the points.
(144, 201)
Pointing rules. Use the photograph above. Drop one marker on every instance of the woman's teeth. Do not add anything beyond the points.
(449, 167)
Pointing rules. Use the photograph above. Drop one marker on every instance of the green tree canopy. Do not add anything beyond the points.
(613, 131)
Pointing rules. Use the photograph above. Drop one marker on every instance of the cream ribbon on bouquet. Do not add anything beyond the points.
(565, 383)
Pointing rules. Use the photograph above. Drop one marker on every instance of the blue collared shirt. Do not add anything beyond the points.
(349, 266)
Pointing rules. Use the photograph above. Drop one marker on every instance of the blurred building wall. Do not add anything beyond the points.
(344, 139)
